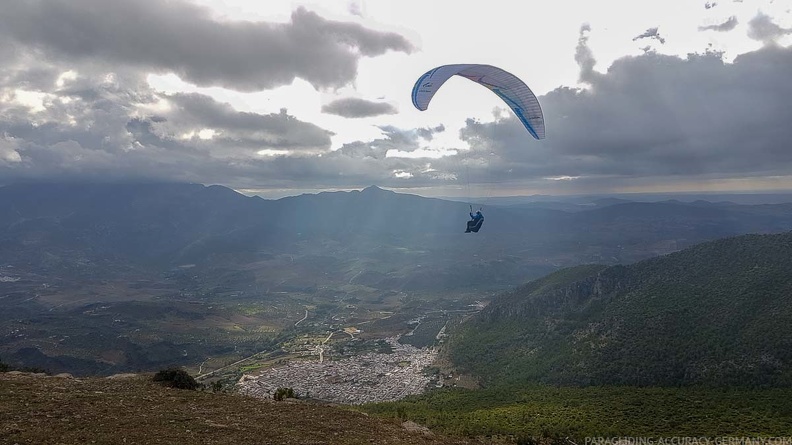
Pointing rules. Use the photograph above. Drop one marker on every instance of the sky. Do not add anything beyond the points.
(279, 98)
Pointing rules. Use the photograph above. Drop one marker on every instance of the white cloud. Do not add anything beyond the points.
(401, 174)
(8, 153)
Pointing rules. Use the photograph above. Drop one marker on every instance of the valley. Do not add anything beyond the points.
(219, 323)
(253, 295)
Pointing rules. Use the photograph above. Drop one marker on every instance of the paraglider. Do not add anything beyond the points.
(476, 220)
(507, 86)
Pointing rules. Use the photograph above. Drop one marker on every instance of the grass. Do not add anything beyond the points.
(135, 410)
(544, 411)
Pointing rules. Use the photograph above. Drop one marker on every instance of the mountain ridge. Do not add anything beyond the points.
(710, 314)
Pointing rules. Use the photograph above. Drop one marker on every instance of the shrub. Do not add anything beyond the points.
(216, 386)
(5, 367)
(176, 378)
(284, 393)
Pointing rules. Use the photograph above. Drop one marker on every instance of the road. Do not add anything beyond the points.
(302, 319)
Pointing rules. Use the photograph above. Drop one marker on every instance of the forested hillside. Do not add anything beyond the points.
(716, 314)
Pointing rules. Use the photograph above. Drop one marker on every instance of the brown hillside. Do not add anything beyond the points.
(36, 409)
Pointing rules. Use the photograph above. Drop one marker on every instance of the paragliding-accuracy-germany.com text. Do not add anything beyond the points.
(682, 440)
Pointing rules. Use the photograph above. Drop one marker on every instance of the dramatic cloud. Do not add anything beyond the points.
(653, 117)
(75, 103)
(113, 126)
(57, 125)
(650, 33)
(728, 25)
(356, 108)
(763, 29)
(204, 118)
(181, 38)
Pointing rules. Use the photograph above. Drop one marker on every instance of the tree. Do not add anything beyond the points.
(284, 393)
(176, 378)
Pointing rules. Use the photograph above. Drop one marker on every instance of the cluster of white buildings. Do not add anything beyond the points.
(371, 377)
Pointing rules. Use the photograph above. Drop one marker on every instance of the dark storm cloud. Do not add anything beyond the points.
(654, 116)
(763, 29)
(196, 112)
(728, 25)
(90, 110)
(650, 33)
(178, 37)
(113, 126)
(352, 107)
(31, 78)
(75, 102)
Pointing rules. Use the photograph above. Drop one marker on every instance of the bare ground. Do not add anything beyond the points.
(131, 409)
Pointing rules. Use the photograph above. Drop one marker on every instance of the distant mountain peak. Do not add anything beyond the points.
(374, 189)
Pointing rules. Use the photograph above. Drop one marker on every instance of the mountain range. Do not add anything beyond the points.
(95, 229)
(94, 278)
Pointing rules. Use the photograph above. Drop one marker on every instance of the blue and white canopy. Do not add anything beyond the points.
(507, 86)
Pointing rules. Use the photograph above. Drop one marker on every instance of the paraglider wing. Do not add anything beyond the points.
(507, 86)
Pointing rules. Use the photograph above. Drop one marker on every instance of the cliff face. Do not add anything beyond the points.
(556, 294)
(714, 314)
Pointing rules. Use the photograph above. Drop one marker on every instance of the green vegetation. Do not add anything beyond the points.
(4, 367)
(714, 314)
(116, 337)
(695, 343)
(176, 378)
(283, 394)
(194, 327)
(527, 413)
(425, 332)
(216, 386)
